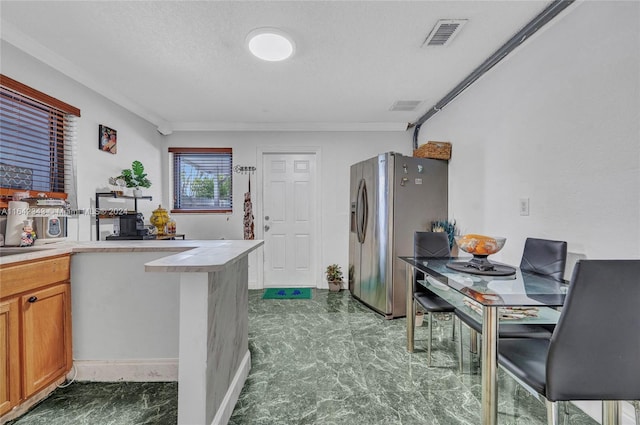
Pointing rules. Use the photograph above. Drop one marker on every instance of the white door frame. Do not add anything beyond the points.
(259, 218)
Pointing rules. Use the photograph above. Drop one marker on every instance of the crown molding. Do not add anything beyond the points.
(289, 126)
(17, 38)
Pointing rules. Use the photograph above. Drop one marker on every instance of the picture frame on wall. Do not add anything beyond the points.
(107, 139)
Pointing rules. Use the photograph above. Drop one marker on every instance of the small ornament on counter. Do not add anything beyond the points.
(171, 226)
(28, 236)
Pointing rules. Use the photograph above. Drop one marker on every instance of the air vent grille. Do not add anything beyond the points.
(405, 105)
(444, 31)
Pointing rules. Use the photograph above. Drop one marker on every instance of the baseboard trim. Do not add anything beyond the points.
(233, 393)
(143, 370)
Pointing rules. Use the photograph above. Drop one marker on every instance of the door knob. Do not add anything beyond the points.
(266, 227)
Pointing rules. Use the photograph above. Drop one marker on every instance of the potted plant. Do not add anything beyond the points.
(334, 277)
(135, 178)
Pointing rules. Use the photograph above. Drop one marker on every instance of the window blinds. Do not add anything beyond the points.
(202, 179)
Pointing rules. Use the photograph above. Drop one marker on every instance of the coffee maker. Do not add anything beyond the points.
(131, 227)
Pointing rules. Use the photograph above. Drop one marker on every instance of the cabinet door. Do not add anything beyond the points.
(46, 320)
(9, 355)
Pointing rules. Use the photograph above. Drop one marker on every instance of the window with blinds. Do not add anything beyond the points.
(37, 142)
(202, 179)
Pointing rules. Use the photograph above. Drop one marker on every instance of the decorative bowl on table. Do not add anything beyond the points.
(480, 247)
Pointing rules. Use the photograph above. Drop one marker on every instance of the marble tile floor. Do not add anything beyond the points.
(327, 360)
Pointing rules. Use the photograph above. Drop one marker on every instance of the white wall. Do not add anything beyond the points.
(137, 138)
(557, 122)
(338, 150)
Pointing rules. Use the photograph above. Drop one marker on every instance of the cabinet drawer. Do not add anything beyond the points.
(22, 277)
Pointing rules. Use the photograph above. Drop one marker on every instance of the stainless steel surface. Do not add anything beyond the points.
(552, 412)
(489, 398)
(392, 196)
(611, 412)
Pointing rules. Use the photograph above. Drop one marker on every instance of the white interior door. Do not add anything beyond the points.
(289, 200)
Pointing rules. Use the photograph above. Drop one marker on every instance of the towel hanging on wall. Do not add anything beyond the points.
(248, 214)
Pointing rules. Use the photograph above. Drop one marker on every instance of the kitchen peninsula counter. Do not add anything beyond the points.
(162, 311)
(168, 246)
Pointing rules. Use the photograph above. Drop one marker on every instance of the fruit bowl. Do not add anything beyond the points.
(480, 247)
(479, 244)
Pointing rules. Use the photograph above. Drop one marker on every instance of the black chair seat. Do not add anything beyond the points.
(521, 351)
(509, 330)
(432, 303)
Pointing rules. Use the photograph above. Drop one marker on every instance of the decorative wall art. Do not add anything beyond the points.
(107, 139)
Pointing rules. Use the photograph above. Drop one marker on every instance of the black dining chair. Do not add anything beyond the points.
(594, 351)
(431, 245)
(540, 256)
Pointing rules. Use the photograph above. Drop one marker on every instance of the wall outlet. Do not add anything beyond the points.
(524, 206)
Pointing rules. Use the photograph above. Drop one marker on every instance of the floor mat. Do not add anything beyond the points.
(287, 293)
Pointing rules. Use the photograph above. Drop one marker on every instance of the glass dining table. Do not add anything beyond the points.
(489, 293)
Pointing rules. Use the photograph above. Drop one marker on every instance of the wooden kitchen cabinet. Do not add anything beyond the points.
(35, 328)
(9, 356)
(46, 333)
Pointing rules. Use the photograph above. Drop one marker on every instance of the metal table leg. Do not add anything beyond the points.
(489, 366)
(411, 316)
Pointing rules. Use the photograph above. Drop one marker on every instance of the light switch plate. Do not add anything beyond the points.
(524, 206)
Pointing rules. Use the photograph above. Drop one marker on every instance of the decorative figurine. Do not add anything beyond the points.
(28, 236)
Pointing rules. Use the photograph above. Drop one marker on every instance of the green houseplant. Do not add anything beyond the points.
(334, 277)
(135, 177)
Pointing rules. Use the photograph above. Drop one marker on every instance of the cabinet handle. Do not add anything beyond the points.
(32, 299)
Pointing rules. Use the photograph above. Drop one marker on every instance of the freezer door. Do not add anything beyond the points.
(375, 246)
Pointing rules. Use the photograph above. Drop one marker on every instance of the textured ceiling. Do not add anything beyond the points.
(186, 64)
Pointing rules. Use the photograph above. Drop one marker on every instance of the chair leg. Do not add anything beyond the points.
(460, 339)
(413, 325)
(453, 326)
(611, 412)
(430, 325)
(473, 341)
(552, 412)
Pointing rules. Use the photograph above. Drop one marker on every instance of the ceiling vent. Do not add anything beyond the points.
(405, 105)
(444, 31)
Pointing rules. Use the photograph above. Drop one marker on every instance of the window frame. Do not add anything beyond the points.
(57, 139)
(175, 179)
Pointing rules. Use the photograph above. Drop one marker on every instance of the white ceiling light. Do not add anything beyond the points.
(270, 44)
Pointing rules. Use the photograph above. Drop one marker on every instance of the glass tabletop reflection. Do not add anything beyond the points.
(521, 289)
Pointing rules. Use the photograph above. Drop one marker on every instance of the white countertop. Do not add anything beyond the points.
(195, 255)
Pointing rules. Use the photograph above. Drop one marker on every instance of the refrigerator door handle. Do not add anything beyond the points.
(358, 214)
(362, 211)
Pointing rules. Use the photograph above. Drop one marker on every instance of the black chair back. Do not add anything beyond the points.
(429, 244)
(594, 353)
(545, 257)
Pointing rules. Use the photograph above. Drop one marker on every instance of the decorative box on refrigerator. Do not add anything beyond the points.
(392, 196)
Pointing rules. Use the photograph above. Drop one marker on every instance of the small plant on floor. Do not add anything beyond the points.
(334, 277)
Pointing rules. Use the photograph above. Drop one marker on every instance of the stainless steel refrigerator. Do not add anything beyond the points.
(392, 196)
